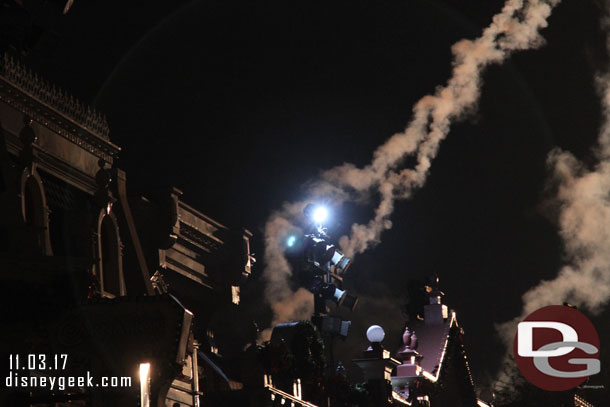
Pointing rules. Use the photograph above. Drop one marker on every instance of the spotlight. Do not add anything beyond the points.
(334, 325)
(331, 292)
(323, 255)
(340, 261)
(320, 263)
(318, 252)
(320, 214)
(291, 241)
(348, 301)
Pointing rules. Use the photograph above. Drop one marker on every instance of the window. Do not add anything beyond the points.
(109, 253)
(34, 210)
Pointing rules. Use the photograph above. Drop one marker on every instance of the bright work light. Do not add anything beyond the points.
(320, 214)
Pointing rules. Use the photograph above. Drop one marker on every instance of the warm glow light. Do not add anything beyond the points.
(144, 372)
(320, 214)
(375, 333)
(145, 384)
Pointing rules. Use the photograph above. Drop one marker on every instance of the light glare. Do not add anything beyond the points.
(320, 214)
(145, 384)
(291, 241)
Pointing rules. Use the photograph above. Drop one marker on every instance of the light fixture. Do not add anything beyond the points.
(340, 261)
(322, 254)
(320, 214)
(375, 334)
(292, 239)
(316, 213)
(145, 384)
(332, 293)
(334, 325)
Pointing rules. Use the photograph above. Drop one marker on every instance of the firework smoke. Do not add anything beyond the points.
(583, 195)
(516, 27)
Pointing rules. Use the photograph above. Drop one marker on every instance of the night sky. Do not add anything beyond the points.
(241, 103)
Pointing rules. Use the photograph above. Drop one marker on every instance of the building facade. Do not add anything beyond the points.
(121, 292)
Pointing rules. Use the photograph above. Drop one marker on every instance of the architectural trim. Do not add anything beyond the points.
(56, 110)
(33, 176)
(116, 237)
(121, 191)
(52, 164)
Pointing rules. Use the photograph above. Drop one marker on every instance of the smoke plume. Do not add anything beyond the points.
(515, 27)
(583, 195)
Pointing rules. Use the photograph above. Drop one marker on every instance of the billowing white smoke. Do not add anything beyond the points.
(516, 27)
(584, 226)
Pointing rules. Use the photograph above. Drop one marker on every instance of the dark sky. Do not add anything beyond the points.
(240, 103)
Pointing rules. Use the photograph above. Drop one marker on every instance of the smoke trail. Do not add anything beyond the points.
(516, 27)
(585, 215)
(583, 195)
(285, 304)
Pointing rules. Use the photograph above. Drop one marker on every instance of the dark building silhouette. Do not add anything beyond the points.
(115, 281)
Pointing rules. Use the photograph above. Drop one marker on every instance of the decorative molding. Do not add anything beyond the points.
(55, 97)
(194, 235)
(54, 165)
(55, 109)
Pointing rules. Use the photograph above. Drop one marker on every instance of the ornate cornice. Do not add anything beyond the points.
(194, 235)
(55, 109)
(54, 97)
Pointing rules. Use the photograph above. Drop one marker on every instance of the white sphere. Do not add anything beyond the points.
(375, 333)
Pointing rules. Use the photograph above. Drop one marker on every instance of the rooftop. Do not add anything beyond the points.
(53, 97)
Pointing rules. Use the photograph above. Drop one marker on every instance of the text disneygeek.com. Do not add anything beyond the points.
(28, 372)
